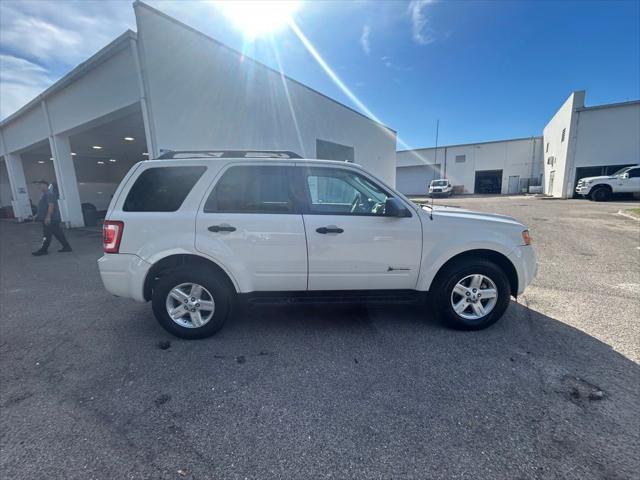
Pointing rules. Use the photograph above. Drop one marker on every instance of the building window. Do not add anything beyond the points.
(326, 150)
(564, 131)
(461, 158)
(546, 150)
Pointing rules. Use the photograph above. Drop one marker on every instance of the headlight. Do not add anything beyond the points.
(526, 238)
(587, 182)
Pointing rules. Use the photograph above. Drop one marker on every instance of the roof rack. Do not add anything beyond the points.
(172, 154)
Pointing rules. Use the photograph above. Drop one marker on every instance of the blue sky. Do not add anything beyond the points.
(486, 70)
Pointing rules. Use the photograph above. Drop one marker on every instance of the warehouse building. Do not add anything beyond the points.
(169, 87)
(589, 141)
(577, 142)
(507, 167)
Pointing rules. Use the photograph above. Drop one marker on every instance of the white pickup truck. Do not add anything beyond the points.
(600, 189)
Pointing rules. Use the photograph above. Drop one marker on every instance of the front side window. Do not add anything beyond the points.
(162, 189)
(343, 192)
(252, 189)
(634, 173)
(621, 171)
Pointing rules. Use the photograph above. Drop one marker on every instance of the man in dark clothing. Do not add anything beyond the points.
(49, 214)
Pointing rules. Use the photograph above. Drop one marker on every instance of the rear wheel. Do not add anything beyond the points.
(601, 194)
(192, 303)
(472, 295)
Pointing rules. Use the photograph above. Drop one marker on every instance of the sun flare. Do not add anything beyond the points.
(258, 17)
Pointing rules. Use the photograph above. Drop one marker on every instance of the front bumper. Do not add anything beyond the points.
(124, 274)
(526, 262)
(583, 190)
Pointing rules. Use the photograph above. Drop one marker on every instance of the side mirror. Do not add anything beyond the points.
(625, 175)
(395, 208)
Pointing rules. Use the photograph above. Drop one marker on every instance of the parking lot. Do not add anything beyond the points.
(92, 387)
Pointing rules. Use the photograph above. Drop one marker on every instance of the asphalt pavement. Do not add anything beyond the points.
(92, 387)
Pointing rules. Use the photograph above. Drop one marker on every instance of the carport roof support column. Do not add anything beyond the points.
(19, 193)
(69, 202)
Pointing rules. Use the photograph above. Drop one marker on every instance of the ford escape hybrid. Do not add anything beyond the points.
(193, 231)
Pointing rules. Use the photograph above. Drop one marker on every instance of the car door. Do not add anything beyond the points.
(249, 222)
(631, 183)
(351, 244)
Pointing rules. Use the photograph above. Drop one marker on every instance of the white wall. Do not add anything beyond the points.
(110, 86)
(27, 129)
(521, 157)
(204, 95)
(607, 136)
(558, 152)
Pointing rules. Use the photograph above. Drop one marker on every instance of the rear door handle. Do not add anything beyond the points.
(221, 228)
(329, 229)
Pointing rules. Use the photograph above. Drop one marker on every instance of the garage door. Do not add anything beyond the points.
(488, 181)
(415, 180)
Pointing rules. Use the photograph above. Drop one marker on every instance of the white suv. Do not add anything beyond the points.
(195, 231)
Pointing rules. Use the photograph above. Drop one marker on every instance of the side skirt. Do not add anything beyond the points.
(336, 297)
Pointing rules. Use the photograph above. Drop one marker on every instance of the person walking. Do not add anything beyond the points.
(49, 214)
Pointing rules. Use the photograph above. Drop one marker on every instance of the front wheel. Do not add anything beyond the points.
(192, 303)
(472, 295)
(601, 194)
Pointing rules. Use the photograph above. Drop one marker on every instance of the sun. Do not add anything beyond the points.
(258, 17)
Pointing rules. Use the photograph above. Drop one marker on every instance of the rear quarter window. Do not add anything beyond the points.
(162, 189)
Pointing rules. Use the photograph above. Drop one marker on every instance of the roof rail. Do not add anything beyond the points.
(172, 154)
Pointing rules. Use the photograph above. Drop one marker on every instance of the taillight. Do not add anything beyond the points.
(111, 235)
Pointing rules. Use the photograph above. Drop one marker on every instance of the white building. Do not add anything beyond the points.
(170, 87)
(584, 141)
(507, 166)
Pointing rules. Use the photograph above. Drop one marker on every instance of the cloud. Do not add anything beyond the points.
(364, 39)
(421, 32)
(21, 81)
(386, 60)
(41, 41)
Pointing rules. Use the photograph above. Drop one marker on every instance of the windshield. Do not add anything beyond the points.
(440, 183)
(622, 170)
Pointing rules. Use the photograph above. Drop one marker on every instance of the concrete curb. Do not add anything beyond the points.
(629, 215)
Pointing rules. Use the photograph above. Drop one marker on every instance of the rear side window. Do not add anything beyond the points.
(162, 189)
(252, 189)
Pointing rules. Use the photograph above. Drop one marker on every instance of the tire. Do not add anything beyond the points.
(494, 278)
(215, 289)
(601, 194)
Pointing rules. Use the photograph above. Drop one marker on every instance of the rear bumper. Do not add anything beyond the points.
(123, 275)
(526, 262)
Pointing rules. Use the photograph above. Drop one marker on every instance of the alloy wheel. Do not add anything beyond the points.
(474, 297)
(190, 305)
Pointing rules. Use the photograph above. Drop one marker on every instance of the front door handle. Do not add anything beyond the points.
(221, 228)
(329, 229)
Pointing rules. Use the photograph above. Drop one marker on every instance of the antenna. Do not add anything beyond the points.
(435, 162)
